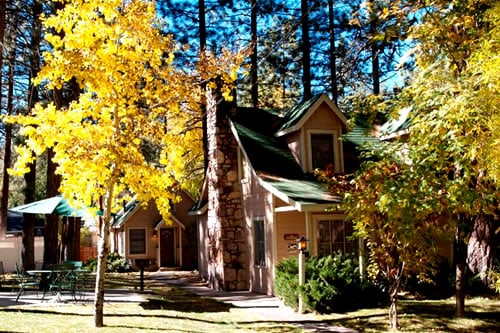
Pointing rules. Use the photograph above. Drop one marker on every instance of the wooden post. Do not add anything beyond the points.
(302, 279)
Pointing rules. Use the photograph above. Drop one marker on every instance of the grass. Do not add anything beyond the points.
(482, 315)
(170, 309)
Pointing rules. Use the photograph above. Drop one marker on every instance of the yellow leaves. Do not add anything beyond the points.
(101, 140)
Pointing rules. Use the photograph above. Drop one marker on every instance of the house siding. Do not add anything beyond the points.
(287, 224)
(203, 247)
(136, 221)
(188, 234)
(323, 120)
(293, 141)
(257, 203)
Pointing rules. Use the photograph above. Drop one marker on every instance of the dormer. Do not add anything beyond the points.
(312, 131)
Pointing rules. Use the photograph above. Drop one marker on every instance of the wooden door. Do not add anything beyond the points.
(167, 247)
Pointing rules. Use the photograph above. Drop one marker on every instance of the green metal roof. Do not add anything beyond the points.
(302, 191)
(121, 217)
(394, 125)
(362, 139)
(267, 154)
(273, 162)
(295, 114)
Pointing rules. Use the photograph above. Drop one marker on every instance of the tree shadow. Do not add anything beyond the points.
(185, 304)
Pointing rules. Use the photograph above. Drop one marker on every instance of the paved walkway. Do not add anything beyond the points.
(268, 308)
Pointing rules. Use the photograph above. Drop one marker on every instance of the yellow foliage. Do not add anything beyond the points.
(132, 94)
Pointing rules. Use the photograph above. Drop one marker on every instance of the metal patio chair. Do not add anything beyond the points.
(25, 281)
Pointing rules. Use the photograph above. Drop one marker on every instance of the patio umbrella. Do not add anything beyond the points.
(55, 205)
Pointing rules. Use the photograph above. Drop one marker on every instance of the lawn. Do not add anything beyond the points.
(170, 309)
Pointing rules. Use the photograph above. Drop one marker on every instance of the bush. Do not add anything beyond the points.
(115, 264)
(333, 284)
(286, 282)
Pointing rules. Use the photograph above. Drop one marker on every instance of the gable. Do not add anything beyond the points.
(296, 117)
(273, 147)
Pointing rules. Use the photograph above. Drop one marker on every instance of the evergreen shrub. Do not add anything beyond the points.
(286, 282)
(333, 284)
(116, 264)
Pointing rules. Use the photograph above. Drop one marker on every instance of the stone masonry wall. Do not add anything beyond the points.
(227, 269)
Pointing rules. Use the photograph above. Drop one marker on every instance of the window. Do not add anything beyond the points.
(322, 151)
(334, 236)
(259, 243)
(137, 240)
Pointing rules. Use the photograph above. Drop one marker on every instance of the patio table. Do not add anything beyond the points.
(59, 279)
(43, 277)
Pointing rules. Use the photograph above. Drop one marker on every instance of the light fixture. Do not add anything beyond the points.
(155, 233)
(302, 243)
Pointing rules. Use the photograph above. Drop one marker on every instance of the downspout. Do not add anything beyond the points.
(275, 239)
(180, 245)
(309, 233)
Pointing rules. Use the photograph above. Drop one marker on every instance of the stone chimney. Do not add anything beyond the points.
(227, 269)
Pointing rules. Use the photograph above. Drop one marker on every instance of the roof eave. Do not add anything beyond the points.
(297, 205)
(394, 135)
(312, 109)
(199, 211)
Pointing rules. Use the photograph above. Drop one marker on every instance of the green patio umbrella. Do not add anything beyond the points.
(55, 205)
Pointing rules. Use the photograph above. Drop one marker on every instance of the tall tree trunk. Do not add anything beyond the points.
(460, 264)
(394, 277)
(63, 254)
(333, 51)
(203, 85)
(481, 248)
(30, 176)
(306, 51)
(254, 63)
(6, 160)
(102, 258)
(50, 254)
(70, 238)
(28, 253)
(5, 193)
(374, 48)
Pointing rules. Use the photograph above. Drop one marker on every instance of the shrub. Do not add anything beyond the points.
(333, 284)
(286, 282)
(115, 264)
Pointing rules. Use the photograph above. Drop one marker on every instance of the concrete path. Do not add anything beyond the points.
(267, 307)
(8, 298)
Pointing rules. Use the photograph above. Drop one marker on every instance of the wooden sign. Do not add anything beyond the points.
(290, 237)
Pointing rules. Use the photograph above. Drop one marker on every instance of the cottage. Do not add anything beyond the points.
(139, 233)
(260, 193)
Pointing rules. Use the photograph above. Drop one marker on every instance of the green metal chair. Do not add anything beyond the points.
(62, 278)
(77, 264)
(24, 282)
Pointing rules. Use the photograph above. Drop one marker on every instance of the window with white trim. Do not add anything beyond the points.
(334, 235)
(137, 241)
(321, 150)
(259, 243)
